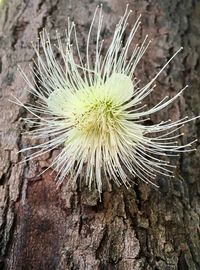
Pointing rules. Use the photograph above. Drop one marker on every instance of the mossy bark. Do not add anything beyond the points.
(42, 227)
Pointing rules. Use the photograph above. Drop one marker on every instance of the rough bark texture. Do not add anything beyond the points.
(44, 228)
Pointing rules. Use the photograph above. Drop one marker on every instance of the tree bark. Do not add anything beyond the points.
(45, 228)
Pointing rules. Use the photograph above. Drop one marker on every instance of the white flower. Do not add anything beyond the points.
(96, 111)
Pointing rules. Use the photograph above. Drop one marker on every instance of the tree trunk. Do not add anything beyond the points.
(42, 227)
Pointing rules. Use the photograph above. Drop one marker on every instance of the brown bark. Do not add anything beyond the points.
(44, 228)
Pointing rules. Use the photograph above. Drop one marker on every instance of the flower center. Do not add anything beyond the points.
(99, 118)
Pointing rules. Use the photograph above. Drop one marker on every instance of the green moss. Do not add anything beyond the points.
(113, 254)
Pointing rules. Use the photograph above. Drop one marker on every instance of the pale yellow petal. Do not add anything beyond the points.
(58, 102)
(120, 87)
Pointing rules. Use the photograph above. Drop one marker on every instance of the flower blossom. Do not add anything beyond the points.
(94, 109)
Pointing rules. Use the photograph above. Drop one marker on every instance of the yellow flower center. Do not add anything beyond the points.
(99, 118)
